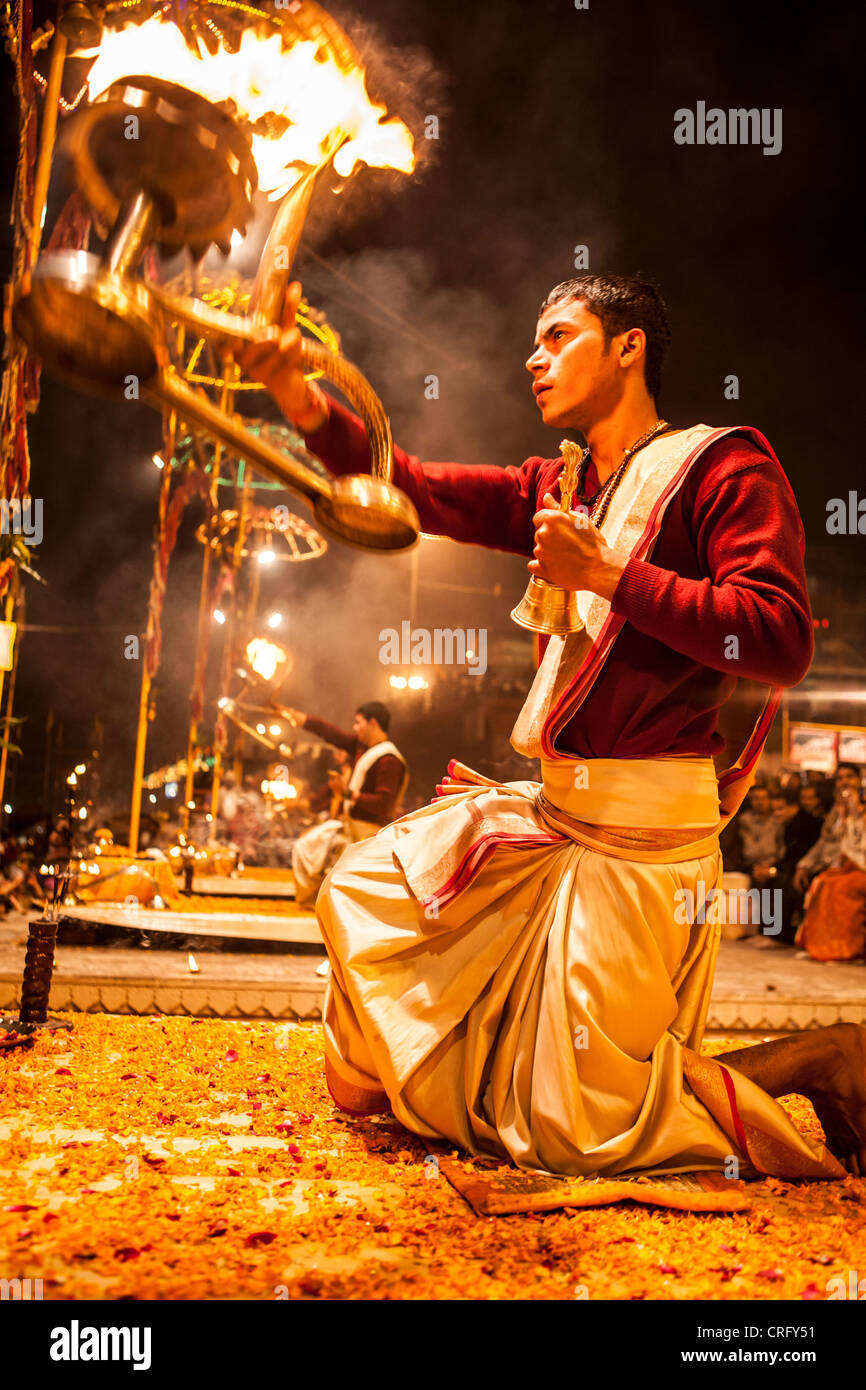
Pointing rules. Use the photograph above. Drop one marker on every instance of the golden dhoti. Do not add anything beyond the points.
(525, 971)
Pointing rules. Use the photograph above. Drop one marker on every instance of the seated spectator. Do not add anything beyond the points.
(834, 925)
(824, 786)
(801, 817)
(804, 826)
(826, 852)
(760, 837)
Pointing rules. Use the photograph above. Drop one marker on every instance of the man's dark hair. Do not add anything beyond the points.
(374, 709)
(623, 302)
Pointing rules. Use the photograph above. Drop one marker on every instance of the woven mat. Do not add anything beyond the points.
(497, 1191)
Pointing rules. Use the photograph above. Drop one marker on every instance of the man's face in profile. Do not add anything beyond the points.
(362, 729)
(575, 378)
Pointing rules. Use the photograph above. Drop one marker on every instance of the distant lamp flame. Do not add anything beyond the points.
(269, 660)
(279, 789)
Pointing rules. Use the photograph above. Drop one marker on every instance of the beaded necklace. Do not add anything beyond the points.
(604, 496)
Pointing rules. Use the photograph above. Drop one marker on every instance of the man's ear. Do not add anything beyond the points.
(632, 346)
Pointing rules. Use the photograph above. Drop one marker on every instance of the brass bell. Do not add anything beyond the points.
(547, 608)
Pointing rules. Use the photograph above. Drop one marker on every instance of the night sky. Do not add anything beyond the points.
(556, 130)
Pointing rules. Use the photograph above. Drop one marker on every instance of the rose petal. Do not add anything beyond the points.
(260, 1238)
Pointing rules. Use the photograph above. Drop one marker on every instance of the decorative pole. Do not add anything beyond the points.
(150, 659)
(7, 722)
(220, 732)
(201, 648)
(138, 765)
(7, 618)
(46, 139)
(39, 961)
(203, 635)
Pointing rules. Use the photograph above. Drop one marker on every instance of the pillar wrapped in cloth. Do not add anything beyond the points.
(524, 970)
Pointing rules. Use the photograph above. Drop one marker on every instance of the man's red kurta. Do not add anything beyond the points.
(727, 563)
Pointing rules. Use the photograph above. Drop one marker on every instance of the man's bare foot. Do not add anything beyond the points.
(828, 1066)
(839, 1096)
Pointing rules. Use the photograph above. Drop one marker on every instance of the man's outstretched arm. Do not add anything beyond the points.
(477, 504)
(487, 506)
(331, 734)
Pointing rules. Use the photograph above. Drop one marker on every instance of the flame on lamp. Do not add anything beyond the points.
(279, 789)
(317, 99)
(266, 658)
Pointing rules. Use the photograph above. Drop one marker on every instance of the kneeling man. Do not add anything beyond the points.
(525, 969)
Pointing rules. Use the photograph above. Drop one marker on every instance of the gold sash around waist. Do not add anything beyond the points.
(648, 809)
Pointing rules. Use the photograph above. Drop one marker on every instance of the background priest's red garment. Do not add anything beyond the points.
(378, 795)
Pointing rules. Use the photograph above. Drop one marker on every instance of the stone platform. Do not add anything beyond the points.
(770, 990)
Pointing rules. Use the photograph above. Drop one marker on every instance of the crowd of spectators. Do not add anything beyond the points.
(805, 836)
